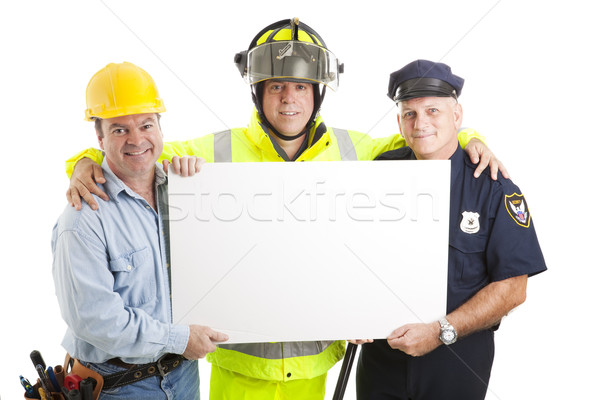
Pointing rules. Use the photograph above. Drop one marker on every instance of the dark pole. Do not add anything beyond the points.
(340, 388)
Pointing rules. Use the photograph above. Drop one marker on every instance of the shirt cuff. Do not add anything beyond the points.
(178, 339)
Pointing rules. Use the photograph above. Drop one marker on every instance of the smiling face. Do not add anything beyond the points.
(132, 144)
(288, 105)
(430, 125)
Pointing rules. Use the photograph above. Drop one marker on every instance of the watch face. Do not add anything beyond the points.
(448, 336)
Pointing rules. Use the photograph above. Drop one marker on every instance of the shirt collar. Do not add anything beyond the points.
(114, 185)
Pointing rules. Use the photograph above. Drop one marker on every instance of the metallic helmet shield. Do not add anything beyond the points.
(292, 60)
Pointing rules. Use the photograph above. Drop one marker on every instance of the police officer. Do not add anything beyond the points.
(493, 249)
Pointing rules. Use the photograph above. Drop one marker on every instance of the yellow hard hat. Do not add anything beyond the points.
(121, 89)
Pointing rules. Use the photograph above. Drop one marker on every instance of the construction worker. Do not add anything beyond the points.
(288, 67)
(110, 267)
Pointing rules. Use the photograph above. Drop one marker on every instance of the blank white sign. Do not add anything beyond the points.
(272, 252)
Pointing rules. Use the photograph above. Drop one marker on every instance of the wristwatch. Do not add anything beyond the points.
(448, 334)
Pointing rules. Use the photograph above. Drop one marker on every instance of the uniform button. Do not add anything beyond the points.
(129, 268)
(327, 144)
(289, 374)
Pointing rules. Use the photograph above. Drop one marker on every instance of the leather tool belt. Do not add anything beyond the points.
(138, 372)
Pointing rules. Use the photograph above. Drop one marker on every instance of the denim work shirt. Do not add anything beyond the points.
(111, 277)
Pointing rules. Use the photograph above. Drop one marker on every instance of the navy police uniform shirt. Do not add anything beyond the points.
(491, 238)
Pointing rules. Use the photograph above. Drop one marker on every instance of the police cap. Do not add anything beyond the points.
(423, 78)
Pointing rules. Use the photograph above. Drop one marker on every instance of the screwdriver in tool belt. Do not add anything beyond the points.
(36, 358)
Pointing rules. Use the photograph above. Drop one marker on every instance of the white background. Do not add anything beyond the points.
(531, 88)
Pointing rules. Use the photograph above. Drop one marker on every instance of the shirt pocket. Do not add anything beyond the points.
(135, 278)
(467, 260)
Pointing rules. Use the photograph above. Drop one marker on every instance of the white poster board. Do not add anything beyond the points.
(271, 252)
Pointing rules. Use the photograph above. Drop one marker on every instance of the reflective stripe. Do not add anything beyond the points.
(347, 150)
(275, 351)
(222, 146)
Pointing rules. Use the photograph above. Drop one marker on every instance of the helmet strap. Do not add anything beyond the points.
(319, 97)
(287, 138)
(257, 94)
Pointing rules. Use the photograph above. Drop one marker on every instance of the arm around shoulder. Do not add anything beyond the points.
(93, 154)
(198, 147)
(475, 146)
(86, 174)
(368, 148)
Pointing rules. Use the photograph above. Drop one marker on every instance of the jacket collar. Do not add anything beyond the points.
(258, 133)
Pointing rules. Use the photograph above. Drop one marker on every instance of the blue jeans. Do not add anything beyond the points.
(183, 383)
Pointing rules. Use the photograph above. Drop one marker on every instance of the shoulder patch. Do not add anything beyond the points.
(517, 209)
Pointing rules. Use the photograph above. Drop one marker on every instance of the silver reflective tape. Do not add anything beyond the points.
(347, 150)
(222, 146)
(274, 351)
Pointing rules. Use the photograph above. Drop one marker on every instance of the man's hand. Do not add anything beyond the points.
(416, 339)
(184, 166)
(83, 183)
(202, 341)
(480, 154)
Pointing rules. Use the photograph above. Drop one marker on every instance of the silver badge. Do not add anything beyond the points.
(470, 222)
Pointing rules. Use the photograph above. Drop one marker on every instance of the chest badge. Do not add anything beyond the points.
(470, 222)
